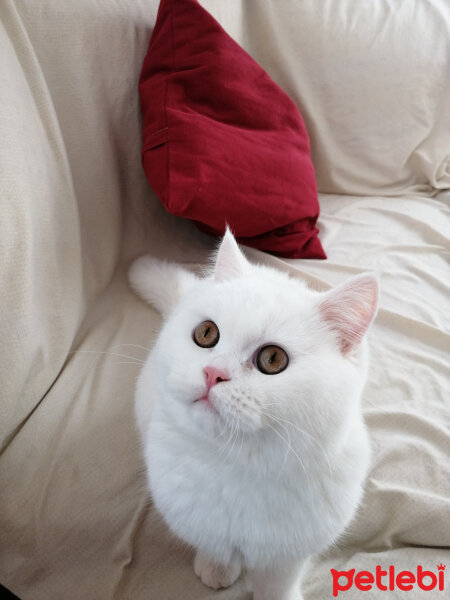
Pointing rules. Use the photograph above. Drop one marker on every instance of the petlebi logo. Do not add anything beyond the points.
(388, 579)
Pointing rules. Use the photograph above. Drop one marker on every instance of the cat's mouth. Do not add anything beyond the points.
(205, 401)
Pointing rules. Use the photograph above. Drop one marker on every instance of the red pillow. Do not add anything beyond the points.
(222, 143)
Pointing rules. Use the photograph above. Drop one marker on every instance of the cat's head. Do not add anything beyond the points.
(249, 347)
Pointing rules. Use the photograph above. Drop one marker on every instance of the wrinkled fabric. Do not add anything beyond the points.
(372, 80)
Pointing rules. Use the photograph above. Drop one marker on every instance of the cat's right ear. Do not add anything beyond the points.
(230, 263)
(350, 309)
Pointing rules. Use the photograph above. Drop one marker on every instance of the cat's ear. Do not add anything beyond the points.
(230, 263)
(350, 309)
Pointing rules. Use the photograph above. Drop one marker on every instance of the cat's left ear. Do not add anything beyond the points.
(350, 309)
(230, 263)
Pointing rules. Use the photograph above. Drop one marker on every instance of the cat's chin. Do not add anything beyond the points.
(214, 419)
(206, 418)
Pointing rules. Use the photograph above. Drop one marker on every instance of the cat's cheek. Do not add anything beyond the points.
(185, 383)
(183, 389)
(252, 424)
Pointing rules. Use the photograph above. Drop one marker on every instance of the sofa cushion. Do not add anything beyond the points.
(222, 142)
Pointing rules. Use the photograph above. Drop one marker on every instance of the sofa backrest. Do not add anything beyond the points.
(372, 80)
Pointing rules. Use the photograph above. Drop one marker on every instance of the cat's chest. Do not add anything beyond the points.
(257, 502)
(218, 485)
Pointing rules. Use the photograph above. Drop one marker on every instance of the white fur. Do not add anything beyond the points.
(275, 473)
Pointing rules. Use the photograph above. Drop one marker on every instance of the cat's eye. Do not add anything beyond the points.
(206, 335)
(271, 360)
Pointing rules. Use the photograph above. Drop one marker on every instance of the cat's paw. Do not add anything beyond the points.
(213, 575)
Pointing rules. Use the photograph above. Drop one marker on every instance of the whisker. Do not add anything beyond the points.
(281, 420)
(99, 352)
(289, 448)
(229, 430)
(242, 435)
(128, 362)
(134, 346)
(232, 439)
(316, 441)
(235, 437)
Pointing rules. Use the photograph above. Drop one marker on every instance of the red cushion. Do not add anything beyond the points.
(222, 142)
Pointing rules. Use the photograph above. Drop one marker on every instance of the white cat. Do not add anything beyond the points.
(249, 412)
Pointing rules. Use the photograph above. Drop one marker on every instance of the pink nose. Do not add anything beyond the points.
(214, 376)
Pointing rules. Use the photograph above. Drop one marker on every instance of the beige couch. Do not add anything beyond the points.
(373, 81)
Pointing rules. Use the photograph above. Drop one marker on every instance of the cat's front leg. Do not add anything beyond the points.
(280, 582)
(215, 575)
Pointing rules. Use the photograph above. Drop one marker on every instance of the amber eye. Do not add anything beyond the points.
(271, 360)
(206, 335)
